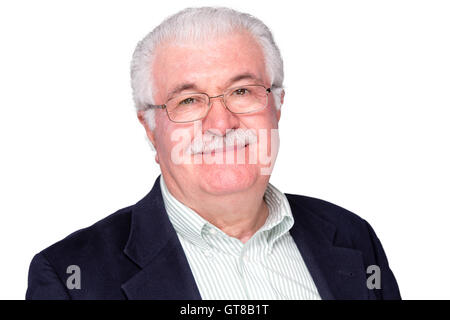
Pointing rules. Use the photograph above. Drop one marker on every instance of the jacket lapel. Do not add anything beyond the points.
(338, 272)
(154, 246)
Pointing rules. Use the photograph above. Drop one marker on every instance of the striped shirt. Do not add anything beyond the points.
(268, 266)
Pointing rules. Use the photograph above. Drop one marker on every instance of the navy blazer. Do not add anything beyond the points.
(135, 254)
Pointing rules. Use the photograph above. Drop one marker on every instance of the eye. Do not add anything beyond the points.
(240, 92)
(187, 101)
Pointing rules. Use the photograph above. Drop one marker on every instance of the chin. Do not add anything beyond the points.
(227, 179)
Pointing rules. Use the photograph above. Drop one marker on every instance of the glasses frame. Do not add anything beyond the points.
(164, 106)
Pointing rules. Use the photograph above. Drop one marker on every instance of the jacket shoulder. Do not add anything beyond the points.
(96, 251)
(341, 218)
(107, 234)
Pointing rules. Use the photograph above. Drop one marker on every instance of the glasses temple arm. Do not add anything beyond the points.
(154, 106)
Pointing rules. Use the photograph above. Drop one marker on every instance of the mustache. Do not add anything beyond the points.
(209, 142)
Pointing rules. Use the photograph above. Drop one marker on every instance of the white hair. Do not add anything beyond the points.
(198, 24)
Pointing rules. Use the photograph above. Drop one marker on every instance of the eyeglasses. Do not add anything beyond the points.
(195, 106)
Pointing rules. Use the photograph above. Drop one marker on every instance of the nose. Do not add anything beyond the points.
(219, 117)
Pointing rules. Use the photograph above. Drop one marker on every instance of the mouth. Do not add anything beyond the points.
(233, 148)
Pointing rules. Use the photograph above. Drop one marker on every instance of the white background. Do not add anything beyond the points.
(365, 122)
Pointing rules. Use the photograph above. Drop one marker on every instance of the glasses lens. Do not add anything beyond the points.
(187, 108)
(246, 99)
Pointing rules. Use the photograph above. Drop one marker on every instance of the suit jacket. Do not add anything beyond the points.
(135, 254)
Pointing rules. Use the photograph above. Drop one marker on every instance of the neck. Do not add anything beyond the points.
(238, 214)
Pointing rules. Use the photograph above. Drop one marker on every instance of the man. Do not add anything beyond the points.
(207, 85)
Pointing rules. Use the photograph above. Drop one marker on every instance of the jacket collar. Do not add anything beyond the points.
(338, 272)
(154, 246)
(165, 273)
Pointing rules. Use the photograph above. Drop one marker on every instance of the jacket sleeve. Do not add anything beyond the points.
(389, 288)
(43, 282)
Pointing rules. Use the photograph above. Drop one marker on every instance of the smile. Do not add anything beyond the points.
(234, 148)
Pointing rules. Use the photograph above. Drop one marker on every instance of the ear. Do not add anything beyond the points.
(281, 104)
(143, 120)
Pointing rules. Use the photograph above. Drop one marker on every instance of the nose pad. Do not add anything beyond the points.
(220, 98)
(222, 102)
(220, 119)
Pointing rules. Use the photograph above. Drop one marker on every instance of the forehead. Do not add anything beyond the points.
(208, 64)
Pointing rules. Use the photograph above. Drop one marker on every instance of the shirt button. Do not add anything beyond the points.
(245, 258)
(212, 231)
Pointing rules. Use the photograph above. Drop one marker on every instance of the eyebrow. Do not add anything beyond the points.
(181, 87)
(244, 76)
(192, 86)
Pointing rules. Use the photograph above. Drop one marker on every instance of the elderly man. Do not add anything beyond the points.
(207, 84)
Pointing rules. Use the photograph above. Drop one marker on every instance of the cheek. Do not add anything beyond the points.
(170, 136)
(161, 132)
(272, 118)
(273, 112)
(267, 119)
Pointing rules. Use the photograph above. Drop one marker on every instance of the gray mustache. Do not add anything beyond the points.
(210, 142)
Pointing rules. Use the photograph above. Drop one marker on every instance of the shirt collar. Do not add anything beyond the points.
(280, 219)
(188, 224)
